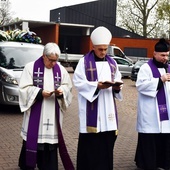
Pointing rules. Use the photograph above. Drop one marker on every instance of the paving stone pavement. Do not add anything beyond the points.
(11, 119)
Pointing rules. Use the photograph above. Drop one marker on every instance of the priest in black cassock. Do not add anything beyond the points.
(153, 112)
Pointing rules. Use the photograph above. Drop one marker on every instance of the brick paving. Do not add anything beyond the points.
(11, 119)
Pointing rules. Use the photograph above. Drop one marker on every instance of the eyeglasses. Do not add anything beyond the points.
(51, 60)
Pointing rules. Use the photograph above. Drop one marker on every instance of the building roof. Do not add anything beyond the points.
(22, 24)
(29, 24)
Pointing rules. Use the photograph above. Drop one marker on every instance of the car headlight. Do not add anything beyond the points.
(8, 78)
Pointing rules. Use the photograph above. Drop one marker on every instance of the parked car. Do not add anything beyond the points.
(125, 66)
(136, 68)
(13, 57)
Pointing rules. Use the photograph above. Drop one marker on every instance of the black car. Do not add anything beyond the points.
(136, 68)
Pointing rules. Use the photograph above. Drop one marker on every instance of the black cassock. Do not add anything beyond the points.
(95, 151)
(153, 151)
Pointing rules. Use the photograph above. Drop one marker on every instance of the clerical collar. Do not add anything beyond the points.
(159, 64)
(97, 58)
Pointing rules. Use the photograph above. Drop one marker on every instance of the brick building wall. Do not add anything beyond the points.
(51, 34)
(148, 44)
(133, 43)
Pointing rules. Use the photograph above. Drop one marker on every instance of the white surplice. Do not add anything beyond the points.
(27, 94)
(148, 120)
(106, 120)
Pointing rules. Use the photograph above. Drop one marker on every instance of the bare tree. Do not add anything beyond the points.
(163, 13)
(5, 13)
(138, 16)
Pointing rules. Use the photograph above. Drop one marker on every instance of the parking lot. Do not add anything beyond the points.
(11, 119)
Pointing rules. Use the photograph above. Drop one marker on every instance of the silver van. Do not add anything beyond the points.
(13, 57)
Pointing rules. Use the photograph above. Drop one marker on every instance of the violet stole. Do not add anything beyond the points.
(163, 112)
(67, 163)
(113, 70)
(33, 126)
(91, 74)
(91, 108)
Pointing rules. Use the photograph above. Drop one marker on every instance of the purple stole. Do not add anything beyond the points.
(91, 74)
(33, 126)
(163, 112)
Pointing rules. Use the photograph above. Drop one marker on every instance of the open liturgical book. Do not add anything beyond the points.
(55, 89)
(115, 83)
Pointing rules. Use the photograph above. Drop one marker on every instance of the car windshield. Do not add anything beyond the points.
(17, 57)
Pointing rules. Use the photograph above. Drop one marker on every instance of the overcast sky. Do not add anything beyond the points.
(39, 10)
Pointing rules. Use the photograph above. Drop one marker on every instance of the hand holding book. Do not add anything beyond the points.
(115, 83)
(58, 92)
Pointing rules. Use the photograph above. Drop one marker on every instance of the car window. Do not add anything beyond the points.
(122, 62)
(17, 57)
(118, 53)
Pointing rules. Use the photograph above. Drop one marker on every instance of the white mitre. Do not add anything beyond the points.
(101, 36)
